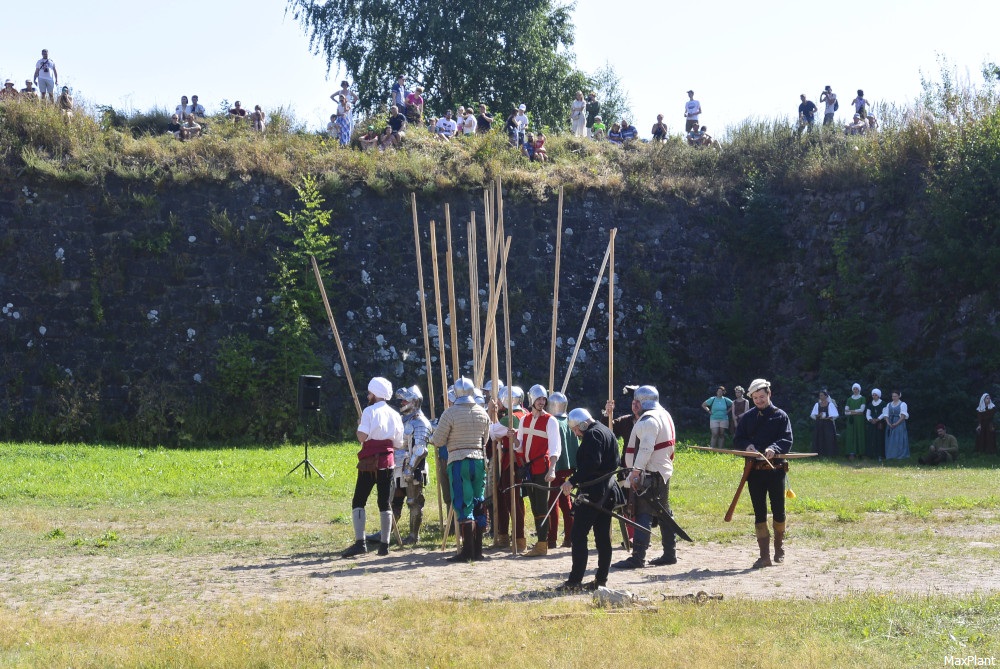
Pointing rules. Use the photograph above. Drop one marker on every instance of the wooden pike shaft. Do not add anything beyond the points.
(555, 294)
(586, 318)
(452, 312)
(440, 327)
(491, 263)
(336, 334)
(423, 308)
(474, 301)
(611, 320)
(492, 311)
(510, 376)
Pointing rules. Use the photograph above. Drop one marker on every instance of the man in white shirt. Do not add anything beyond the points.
(469, 122)
(46, 76)
(692, 109)
(830, 98)
(381, 434)
(446, 127)
(522, 119)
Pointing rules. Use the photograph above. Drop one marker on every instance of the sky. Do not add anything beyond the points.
(744, 60)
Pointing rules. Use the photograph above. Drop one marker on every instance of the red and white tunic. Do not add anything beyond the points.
(537, 440)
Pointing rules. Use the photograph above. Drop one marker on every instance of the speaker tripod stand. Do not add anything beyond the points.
(307, 466)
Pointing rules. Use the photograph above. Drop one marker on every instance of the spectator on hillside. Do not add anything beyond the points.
(182, 109)
(29, 92)
(858, 126)
(190, 128)
(514, 129)
(8, 92)
(484, 122)
(46, 76)
(414, 110)
(807, 114)
(65, 103)
(540, 153)
(469, 122)
(343, 120)
(197, 110)
(872, 123)
(692, 111)
(944, 448)
(522, 117)
(331, 128)
(700, 137)
(397, 128)
(399, 92)
(578, 115)
(370, 139)
(598, 130)
(257, 119)
(174, 127)
(593, 112)
(528, 146)
(861, 105)
(830, 98)
(345, 90)
(659, 129)
(629, 132)
(446, 127)
(615, 134)
(237, 113)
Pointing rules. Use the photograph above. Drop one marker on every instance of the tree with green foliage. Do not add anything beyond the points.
(500, 53)
(615, 101)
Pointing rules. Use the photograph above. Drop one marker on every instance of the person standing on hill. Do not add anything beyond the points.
(830, 98)
(861, 105)
(807, 114)
(692, 110)
(854, 412)
(381, 435)
(765, 429)
(46, 76)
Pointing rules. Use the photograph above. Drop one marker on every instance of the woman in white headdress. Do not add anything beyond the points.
(986, 431)
(875, 429)
(854, 431)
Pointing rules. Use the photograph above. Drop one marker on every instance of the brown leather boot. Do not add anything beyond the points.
(764, 543)
(502, 541)
(779, 541)
(522, 544)
(540, 549)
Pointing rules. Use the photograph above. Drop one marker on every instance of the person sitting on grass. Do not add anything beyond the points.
(174, 127)
(615, 134)
(446, 127)
(858, 126)
(29, 92)
(659, 129)
(370, 139)
(190, 128)
(8, 92)
(598, 130)
(528, 148)
(540, 154)
(257, 119)
(700, 137)
(396, 129)
(65, 103)
(237, 113)
(943, 448)
(629, 132)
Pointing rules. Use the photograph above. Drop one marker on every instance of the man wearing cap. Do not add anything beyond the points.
(409, 475)
(537, 446)
(650, 455)
(596, 458)
(692, 109)
(943, 448)
(381, 434)
(510, 412)
(46, 76)
(464, 428)
(558, 404)
(766, 429)
(521, 118)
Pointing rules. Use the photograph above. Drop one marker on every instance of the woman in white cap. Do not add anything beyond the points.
(825, 435)
(875, 429)
(986, 430)
(381, 434)
(854, 433)
(766, 429)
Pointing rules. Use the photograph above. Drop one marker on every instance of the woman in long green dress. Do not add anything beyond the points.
(875, 430)
(854, 432)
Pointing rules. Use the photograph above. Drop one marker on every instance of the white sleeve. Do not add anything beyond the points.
(555, 439)
(832, 410)
(904, 411)
(366, 421)
(815, 411)
(498, 430)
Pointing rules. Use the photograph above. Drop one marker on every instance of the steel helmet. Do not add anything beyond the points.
(648, 397)
(488, 388)
(511, 392)
(558, 404)
(479, 397)
(410, 400)
(465, 390)
(580, 418)
(537, 392)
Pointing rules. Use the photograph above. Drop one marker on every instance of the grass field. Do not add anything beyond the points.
(98, 505)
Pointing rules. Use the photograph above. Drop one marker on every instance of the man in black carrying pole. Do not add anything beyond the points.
(596, 462)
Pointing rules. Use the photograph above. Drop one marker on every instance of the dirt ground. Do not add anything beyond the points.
(159, 585)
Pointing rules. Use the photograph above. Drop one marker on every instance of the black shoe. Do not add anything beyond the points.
(409, 540)
(663, 560)
(569, 587)
(359, 548)
(383, 549)
(630, 562)
(594, 585)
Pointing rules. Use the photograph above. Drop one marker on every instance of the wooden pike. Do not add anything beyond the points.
(586, 318)
(423, 311)
(452, 312)
(611, 319)
(336, 334)
(555, 294)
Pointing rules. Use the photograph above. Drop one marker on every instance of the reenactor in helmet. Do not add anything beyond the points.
(410, 473)
(511, 399)
(558, 405)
